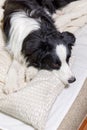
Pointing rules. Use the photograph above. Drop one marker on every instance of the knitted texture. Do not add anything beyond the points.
(36, 91)
(32, 104)
(72, 17)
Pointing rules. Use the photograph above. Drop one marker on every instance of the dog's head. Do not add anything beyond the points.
(50, 52)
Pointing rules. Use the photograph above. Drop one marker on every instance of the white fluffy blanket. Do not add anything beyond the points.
(72, 17)
(32, 104)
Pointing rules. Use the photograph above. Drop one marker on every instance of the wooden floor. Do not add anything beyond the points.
(84, 125)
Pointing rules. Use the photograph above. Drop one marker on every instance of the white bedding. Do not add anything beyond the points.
(67, 97)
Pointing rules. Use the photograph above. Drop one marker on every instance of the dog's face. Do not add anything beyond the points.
(51, 53)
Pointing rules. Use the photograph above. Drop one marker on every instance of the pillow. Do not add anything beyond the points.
(33, 103)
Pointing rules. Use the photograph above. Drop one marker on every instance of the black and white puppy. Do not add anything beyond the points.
(33, 38)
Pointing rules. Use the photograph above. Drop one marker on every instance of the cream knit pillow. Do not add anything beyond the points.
(33, 103)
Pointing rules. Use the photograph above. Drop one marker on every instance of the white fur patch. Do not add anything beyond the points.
(61, 52)
(21, 26)
(64, 72)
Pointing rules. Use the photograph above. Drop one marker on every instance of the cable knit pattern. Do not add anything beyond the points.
(36, 91)
(32, 104)
(72, 17)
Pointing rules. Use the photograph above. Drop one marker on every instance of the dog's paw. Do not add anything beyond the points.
(11, 84)
(31, 72)
(9, 90)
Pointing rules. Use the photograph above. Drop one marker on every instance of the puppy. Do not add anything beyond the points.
(33, 39)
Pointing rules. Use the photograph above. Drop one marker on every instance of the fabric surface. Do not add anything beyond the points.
(31, 104)
(72, 17)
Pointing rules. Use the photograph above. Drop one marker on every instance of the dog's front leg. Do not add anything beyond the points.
(15, 78)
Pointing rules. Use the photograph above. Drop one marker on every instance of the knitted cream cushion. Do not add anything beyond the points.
(35, 98)
(32, 104)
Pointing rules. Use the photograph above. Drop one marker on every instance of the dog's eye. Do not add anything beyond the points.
(55, 66)
(67, 59)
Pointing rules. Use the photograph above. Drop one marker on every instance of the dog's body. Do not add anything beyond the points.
(33, 38)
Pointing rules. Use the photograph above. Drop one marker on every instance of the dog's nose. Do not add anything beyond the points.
(72, 79)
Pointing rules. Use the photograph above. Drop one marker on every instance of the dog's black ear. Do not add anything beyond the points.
(68, 38)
